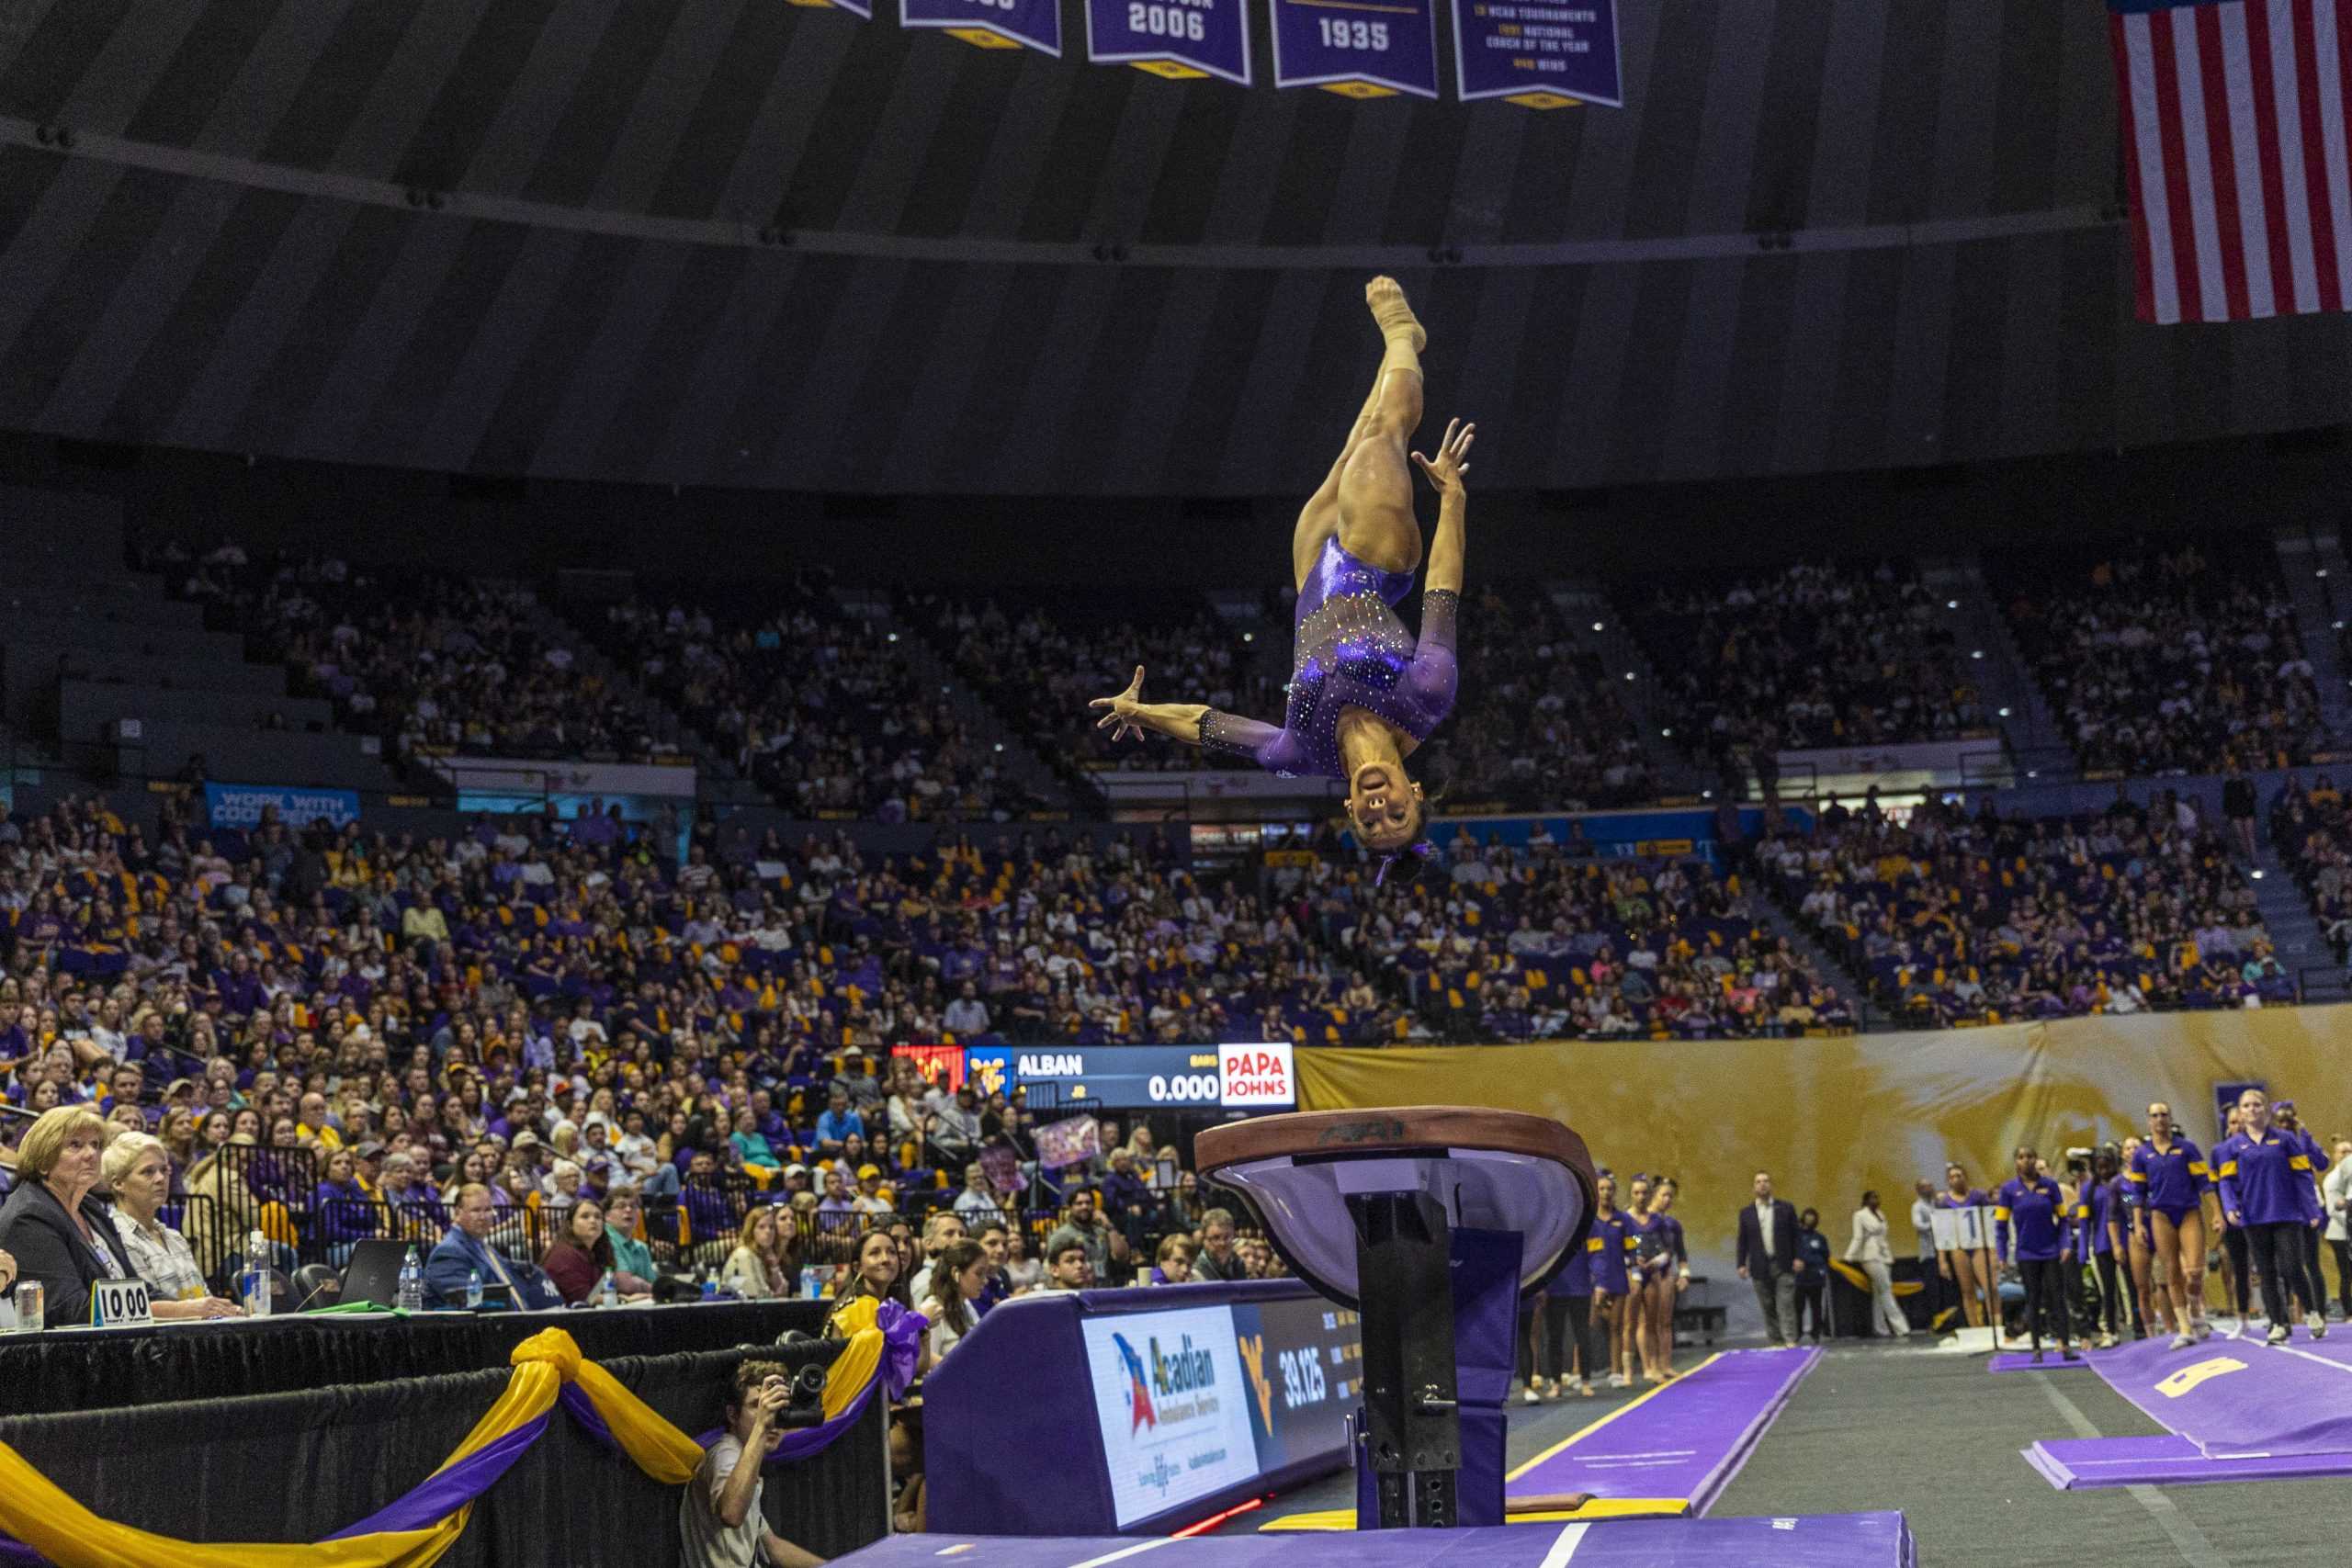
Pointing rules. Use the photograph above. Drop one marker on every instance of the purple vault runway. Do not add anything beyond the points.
(1834, 1541)
(2235, 1409)
(1676, 1447)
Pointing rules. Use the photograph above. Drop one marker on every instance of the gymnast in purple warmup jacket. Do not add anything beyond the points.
(1364, 692)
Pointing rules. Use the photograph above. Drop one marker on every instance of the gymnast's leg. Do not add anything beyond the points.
(1319, 519)
(1376, 522)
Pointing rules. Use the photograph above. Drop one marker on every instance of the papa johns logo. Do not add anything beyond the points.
(1187, 1370)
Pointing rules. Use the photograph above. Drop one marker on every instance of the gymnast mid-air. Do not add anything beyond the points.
(1363, 692)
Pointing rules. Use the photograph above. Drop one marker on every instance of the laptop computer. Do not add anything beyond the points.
(373, 1272)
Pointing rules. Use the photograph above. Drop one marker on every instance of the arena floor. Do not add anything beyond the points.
(1938, 1436)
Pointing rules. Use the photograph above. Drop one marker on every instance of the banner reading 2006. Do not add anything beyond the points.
(1172, 37)
(1545, 54)
(992, 24)
(1360, 49)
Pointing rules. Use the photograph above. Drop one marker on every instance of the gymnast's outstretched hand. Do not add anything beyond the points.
(1447, 469)
(1121, 719)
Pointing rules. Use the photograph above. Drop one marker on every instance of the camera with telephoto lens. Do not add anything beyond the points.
(806, 1406)
(2078, 1162)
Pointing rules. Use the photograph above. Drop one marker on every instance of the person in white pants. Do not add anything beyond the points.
(1868, 1249)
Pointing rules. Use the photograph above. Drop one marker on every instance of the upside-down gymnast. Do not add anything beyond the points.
(1363, 692)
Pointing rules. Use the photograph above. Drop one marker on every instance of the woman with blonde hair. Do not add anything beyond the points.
(139, 1169)
(755, 1271)
(223, 1208)
(54, 1228)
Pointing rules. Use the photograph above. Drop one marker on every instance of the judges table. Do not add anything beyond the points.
(103, 1368)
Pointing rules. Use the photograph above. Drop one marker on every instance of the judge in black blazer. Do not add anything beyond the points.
(1769, 1260)
(60, 1234)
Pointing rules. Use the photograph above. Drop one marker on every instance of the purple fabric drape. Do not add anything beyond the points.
(424, 1504)
(438, 1496)
(902, 1331)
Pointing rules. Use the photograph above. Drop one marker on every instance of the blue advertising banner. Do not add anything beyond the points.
(1544, 54)
(241, 806)
(990, 23)
(1359, 49)
(1172, 37)
(863, 9)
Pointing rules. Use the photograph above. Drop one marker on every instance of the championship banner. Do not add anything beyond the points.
(1541, 55)
(1358, 49)
(990, 23)
(1172, 37)
(862, 10)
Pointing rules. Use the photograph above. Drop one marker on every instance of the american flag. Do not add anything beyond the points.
(2234, 148)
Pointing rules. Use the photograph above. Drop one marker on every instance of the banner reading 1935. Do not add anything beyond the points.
(990, 23)
(1359, 49)
(1544, 54)
(1172, 37)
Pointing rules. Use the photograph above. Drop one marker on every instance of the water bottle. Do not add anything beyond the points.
(258, 1283)
(411, 1293)
(809, 1283)
(709, 1285)
(473, 1289)
(611, 1292)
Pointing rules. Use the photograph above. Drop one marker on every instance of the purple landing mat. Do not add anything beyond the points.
(2232, 1397)
(2077, 1464)
(1687, 1439)
(2051, 1362)
(1834, 1541)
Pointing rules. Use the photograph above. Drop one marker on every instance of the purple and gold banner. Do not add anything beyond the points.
(990, 23)
(1172, 37)
(862, 10)
(1359, 49)
(1544, 54)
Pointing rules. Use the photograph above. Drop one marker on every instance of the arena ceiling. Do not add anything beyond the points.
(740, 243)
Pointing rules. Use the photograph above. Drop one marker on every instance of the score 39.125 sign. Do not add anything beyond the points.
(1172, 37)
(990, 23)
(1359, 49)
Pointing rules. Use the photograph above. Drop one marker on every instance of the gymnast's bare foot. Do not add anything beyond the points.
(1395, 316)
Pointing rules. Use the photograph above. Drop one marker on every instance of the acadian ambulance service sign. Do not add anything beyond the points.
(1172, 1404)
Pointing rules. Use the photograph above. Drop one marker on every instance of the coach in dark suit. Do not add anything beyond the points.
(1768, 1258)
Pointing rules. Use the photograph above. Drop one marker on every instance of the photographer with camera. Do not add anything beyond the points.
(720, 1522)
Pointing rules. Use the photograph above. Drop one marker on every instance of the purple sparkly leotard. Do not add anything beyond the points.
(1351, 650)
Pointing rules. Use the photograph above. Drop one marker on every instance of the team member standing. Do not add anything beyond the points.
(1665, 1274)
(1641, 1230)
(2098, 1215)
(2335, 1201)
(2237, 1274)
(2032, 1203)
(2264, 1175)
(1606, 1248)
(2283, 1117)
(2173, 1177)
(2128, 1216)
(1962, 1266)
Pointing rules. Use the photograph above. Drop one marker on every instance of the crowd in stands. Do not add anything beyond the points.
(356, 1029)
(1954, 919)
(432, 662)
(2312, 832)
(1543, 728)
(1544, 942)
(1040, 665)
(823, 710)
(2170, 661)
(1816, 655)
